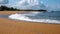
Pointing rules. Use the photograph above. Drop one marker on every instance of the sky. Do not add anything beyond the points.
(49, 4)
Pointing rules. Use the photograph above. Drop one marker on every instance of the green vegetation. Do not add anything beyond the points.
(5, 8)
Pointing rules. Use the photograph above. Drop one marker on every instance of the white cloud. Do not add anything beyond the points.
(29, 4)
(1, 0)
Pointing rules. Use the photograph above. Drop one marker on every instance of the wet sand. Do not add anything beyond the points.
(8, 26)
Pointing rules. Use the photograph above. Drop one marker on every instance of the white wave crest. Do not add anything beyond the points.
(25, 18)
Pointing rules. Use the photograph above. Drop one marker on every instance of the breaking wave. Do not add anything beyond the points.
(25, 17)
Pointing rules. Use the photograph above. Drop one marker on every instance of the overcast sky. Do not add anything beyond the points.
(51, 4)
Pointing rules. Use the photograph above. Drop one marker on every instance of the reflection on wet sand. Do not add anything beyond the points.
(3, 16)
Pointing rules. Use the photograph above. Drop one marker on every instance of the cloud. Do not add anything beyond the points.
(30, 4)
(3, 1)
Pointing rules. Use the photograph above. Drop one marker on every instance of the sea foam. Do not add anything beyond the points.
(25, 18)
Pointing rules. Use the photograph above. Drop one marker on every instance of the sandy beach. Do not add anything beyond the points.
(8, 26)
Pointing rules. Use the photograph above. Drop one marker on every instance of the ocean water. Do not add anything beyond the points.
(46, 17)
(3, 16)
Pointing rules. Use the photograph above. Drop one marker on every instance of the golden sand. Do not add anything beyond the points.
(11, 12)
(20, 27)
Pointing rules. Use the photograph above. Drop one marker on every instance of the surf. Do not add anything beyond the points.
(25, 17)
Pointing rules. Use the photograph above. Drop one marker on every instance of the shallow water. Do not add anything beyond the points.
(48, 17)
(3, 16)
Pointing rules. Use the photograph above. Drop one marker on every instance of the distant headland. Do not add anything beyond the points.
(5, 8)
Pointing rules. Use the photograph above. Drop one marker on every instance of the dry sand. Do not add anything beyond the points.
(20, 27)
(11, 12)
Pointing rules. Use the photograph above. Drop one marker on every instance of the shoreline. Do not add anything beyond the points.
(8, 26)
(6, 16)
